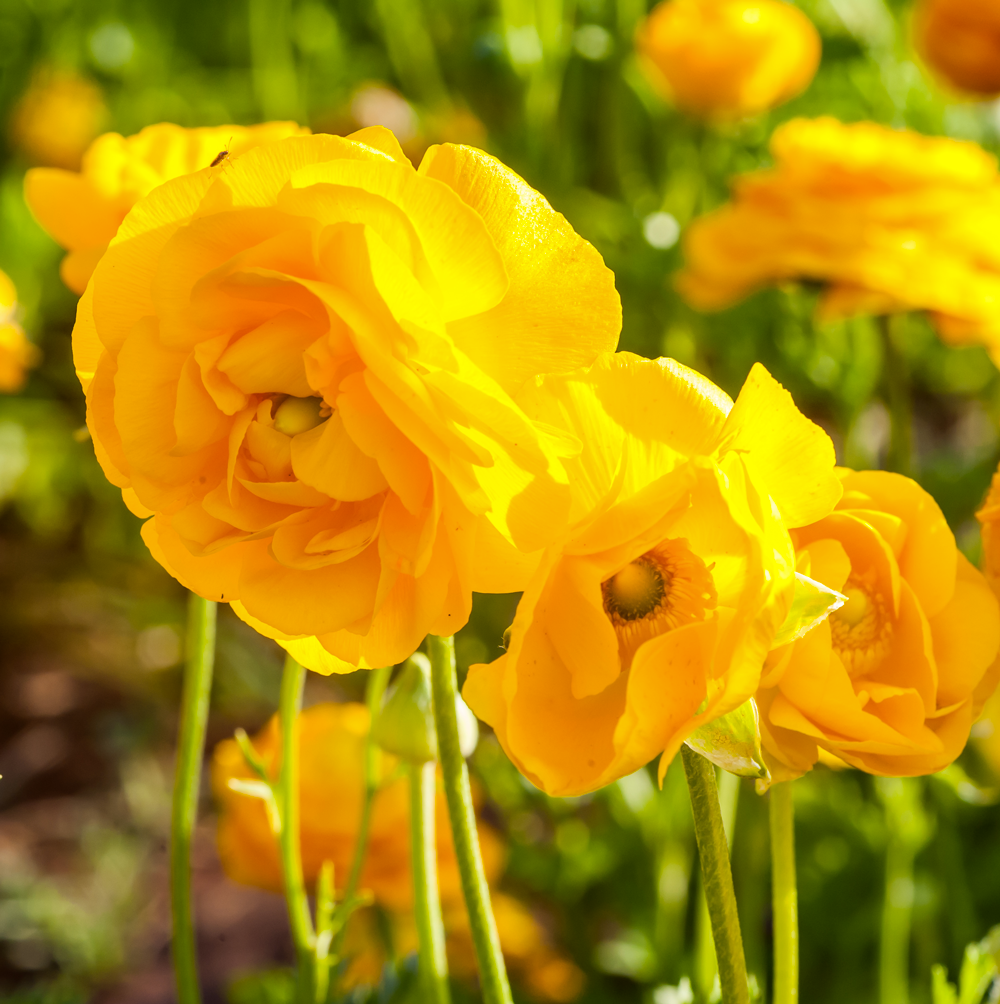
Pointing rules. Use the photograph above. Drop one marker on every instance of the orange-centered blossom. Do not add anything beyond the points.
(300, 363)
(17, 354)
(654, 612)
(885, 219)
(728, 58)
(332, 741)
(893, 680)
(960, 41)
(83, 210)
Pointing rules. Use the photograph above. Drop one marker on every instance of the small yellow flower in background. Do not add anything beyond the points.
(728, 58)
(83, 210)
(960, 41)
(301, 363)
(893, 680)
(332, 741)
(57, 117)
(888, 220)
(17, 354)
(654, 614)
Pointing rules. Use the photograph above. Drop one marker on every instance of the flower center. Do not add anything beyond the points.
(300, 414)
(663, 589)
(861, 628)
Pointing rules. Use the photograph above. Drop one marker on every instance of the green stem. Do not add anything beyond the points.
(785, 897)
(717, 876)
(287, 797)
(427, 903)
(907, 830)
(897, 386)
(458, 793)
(190, 751)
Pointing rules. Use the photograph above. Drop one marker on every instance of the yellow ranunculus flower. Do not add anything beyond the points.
(332, 741)
(17, 354)
(888, 220)
(301, 363)
(960, 41)
(728, 58)
(83, 210)
(56, 117)
(654, 614)
(893, 680)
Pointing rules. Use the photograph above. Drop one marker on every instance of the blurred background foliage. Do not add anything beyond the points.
(91, 629)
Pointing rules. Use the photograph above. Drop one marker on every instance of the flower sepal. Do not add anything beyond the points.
(812, 603)
(732, 742)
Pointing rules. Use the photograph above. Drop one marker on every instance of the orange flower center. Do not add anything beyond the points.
(300, 414)
(663, 589)
(861, 628)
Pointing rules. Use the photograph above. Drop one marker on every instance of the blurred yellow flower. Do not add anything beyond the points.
(728, 58)
(17, 354)
(301, 362)
(332, 741)
(57, 117)
(888, 220)
(83, 211)
(654, 614)
(960, 41)
(893, 680)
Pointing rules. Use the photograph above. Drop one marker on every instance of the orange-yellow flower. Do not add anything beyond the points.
(654, 613)
(57, 117)
(332, 741)
(301, 363)
(83, 210)
(894, 679)
(17, 354)
(960, 41)
(887, 220)
(728, 58)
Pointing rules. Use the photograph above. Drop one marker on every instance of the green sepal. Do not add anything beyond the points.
(811, 605)
(732, 742)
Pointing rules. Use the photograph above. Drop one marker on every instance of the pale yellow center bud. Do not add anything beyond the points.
(856, 607)
(299, 414)
(635, 590)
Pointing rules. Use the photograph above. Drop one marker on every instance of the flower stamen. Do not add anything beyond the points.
(861, 629)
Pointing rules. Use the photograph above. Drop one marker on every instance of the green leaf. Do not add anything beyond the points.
(812, 604)
(732, 742)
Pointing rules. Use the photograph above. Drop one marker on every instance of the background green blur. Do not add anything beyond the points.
(91, 629)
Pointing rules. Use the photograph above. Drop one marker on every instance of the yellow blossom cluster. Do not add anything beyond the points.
(17, 354)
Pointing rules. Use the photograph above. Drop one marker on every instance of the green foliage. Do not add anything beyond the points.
(978, 974)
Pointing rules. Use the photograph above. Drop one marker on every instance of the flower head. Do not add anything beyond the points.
(894, 679)
(17, 354)
(83, 210)
(887, 220)
(655, 611)
(728, 58)
(301, 363)
(960, 41)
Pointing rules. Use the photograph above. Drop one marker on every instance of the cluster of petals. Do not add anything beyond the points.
(332, 738)
(82, 210)
(960, 41)
(653, 614)
(893, 680)
(17, 354)
(885, 219)
(728, 58)
(301, 364)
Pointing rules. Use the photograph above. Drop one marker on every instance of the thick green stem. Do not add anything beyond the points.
(784, 893)
(899, 399)
(427, 903)
(717, 876)
(287, 797)
(190, 751)
(455, 773)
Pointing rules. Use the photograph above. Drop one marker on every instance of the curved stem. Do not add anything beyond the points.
(717, 876)
(427, 902)
(287, 797)
(784, 895)
(492, 972)
(897, 382)
(187, 779)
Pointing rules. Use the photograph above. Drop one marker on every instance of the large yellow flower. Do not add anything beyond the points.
(888, 220)
(83, 210)
(893, 681)
(301, 362)
(960, 41)
(17, 354)
(654, 614)
(728, 58)
(332, 740)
